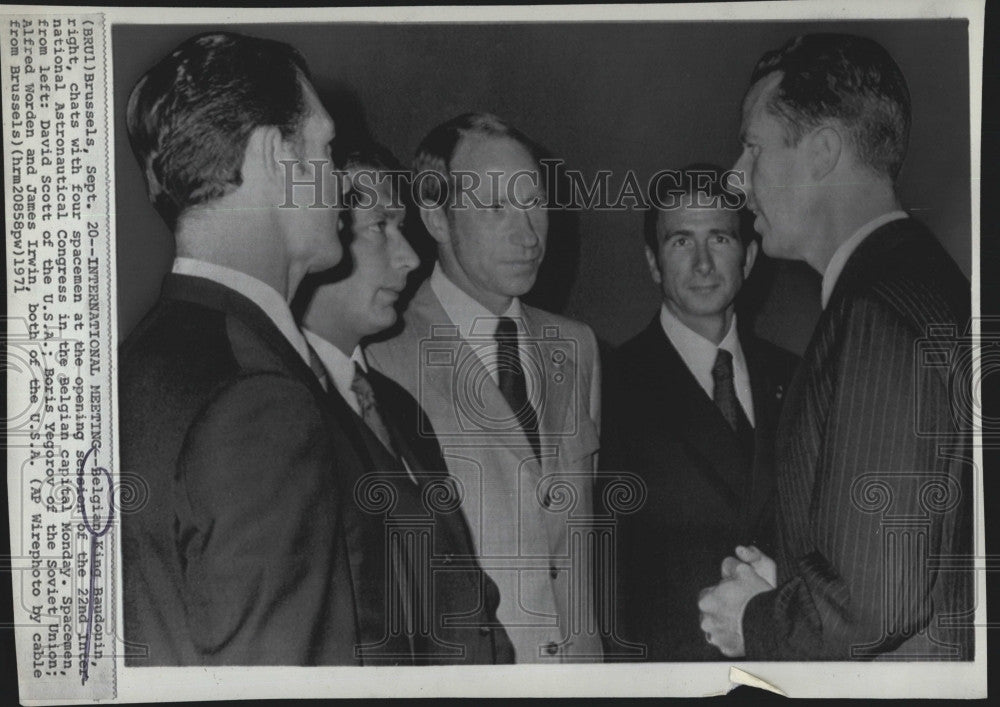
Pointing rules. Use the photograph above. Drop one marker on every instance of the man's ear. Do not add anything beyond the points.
(266, 149)
(750, 257)
(436, 223)
(825, 146)
(654, 266)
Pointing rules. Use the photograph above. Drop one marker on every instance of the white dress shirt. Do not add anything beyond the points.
(840, 256)
(258, 292)
(478, 325)
(699, 354)
(339, 366)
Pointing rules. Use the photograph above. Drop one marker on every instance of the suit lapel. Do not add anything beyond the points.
(558, 367)
(697, 420)
(405, 437)
(867, 262)
(364, 547)
(458, 378)
(401, 414)
(870, 257)
(219, 297)
(767, 396)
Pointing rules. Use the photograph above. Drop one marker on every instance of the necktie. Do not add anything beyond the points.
(318, 368)
(511, 381)
(369, 409)
(724, 393)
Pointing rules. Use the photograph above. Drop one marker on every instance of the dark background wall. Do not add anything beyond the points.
(613, 96)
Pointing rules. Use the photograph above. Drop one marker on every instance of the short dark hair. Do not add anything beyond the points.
(701, 179)
(368, 154)
(848, 78)
(371, 156)
(190, 116)
(436, 151)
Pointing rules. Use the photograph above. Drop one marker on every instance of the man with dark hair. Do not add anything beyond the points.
(243, 553)
(449, 611)
(866, 418)
(191, 116)
(691, 407)
(512, 391)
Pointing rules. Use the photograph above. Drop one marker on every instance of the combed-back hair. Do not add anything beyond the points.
(847, 78)
(190, 117)
(432, 163)
(376, 158)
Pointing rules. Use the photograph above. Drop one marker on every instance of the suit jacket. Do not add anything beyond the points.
(873, 468)
(704, 494)
(251, 547)
(523, 511)
(449, 603)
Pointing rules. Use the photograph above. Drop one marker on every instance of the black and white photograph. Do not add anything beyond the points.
(642, 346)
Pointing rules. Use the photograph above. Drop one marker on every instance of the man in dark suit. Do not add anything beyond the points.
(691, 407)
(872, 449)
(448, 603)
(251, 548)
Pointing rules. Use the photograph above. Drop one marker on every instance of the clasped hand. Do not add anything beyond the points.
(745, 576)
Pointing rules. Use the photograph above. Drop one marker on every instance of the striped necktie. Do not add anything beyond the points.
(362, 388)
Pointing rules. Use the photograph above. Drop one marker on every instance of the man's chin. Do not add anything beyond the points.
(776, 245)
(770, 246)
(381, 320)
(708, 304)
(519, 287)
(328, 261)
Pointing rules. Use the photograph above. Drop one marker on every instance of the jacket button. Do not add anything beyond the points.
(552, 649)
(553, 572)
(484, 630)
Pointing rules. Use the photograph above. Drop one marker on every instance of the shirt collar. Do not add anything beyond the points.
(699, 355)
(257, 291)
(339, 366)
(841, 255)
(695, 349)
(467, 313)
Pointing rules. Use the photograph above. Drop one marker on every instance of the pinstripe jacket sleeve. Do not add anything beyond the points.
(868, 497)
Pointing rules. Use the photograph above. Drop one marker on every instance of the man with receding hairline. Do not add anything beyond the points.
(511, 391)
(824, 131)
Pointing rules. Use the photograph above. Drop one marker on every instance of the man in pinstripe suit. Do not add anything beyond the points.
(869, 502)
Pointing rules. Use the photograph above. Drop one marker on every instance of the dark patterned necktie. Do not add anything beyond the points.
(362, 388)
(724, 392)
(511, 381)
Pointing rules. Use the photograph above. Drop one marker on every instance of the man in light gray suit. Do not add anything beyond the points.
(512, 392)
